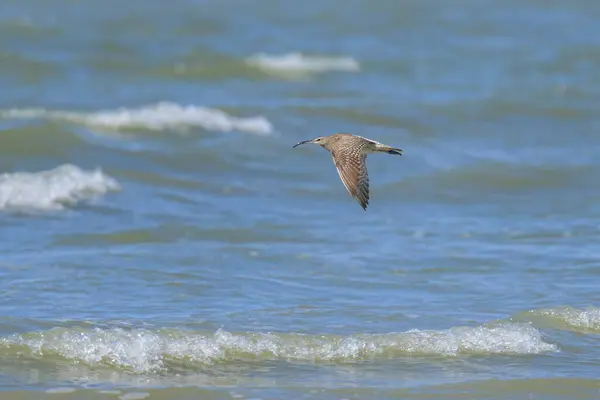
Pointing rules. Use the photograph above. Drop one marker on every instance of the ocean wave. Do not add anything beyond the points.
(299, 64)
(567, 318)
(142, 350)
(53, 189)
(159, 116)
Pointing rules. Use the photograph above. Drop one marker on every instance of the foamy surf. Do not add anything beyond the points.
(160, 116)
(142, 350)
(53, 189)
(298, 64)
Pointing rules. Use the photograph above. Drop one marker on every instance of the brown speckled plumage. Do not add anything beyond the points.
(349, 154)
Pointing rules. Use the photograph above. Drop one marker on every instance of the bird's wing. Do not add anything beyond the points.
(366, 139)
(352, 168)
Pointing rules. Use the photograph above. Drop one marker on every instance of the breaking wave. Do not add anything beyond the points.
(142, 350)
(53, 189)
(299, 64)
(567, 318)
(163, 115)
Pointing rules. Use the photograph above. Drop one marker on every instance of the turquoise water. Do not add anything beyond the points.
(161, 239)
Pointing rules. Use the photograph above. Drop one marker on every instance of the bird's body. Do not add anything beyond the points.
(349, 154)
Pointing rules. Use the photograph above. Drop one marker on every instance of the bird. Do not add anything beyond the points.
(349, 154)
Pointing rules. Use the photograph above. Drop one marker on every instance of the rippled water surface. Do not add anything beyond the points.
(161, 239)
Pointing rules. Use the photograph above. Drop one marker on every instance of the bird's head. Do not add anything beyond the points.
(321, 141)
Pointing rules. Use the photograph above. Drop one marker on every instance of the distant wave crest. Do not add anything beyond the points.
(143, 350)
(53, 189)
(297, 63)
(159, 116)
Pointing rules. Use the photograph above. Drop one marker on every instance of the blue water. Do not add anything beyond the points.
(161, 238)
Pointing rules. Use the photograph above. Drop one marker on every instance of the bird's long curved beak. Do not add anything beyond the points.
(302, 142)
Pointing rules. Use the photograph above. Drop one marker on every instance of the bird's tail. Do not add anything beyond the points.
(388, 149)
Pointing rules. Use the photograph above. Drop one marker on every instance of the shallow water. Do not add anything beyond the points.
(161, 239)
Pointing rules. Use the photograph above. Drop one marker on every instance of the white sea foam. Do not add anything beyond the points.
(53, 189)
(156, 117)
(143, 350)
(299, 64)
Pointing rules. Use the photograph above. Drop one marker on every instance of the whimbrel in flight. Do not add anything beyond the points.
(349, 154)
